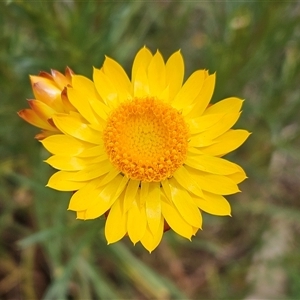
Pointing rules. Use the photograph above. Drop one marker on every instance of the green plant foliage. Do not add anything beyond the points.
(254, 47)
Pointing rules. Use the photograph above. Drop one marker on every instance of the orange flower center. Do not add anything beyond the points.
(146, 139)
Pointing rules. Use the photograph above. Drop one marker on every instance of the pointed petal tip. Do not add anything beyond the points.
(31, 78)
(106, 57)
(68, 70)
(40, 136)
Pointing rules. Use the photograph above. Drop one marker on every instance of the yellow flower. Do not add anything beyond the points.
(50, 98)
(146, 152)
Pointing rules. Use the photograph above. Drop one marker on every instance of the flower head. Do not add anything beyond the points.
(145, 152)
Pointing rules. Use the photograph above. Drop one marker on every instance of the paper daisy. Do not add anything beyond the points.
(145, 152)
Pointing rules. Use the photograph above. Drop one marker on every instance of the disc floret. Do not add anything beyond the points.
(146, 139)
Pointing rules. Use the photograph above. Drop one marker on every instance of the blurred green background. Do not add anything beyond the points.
(254, 48)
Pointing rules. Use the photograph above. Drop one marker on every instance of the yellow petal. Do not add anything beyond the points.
(59, 79)
(140, 84)
(47, 91)
(94, 151)
(212, 164)
(80, 215)
(93, 171)
(44, 111)
(227, 105)
(103, 198)
(116, 223)
(238, 177)
(88, 91)
(200, 141)
(105, 88)
(44, 134)
(213, 204)
(89, 195)
(166, 188)
(197, 108)
(64, 145)
(85, 86)
(71, 125)
(137, 222)
(66, 102)
(227, 142)
(175, 73)
(32, 118)
(118, 77)
(101, 110)
(61, 181)
(150, 241)
(144, 185)
(157, 74)
(217, 184)
(189, 90)
(203, 123)
(116, 72)
(141, 60)
(130, 194)
(69, 73)
(164, 95)
(195, 230)
(175, 220)
(122, 186)
(81, 102)
(184, 178)
(226, 122)
(192, 151)
(66, 163)
(109, 176)
(95, 159)
(81, 200)
(184, 204)
(153, 206)
(97, 192)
